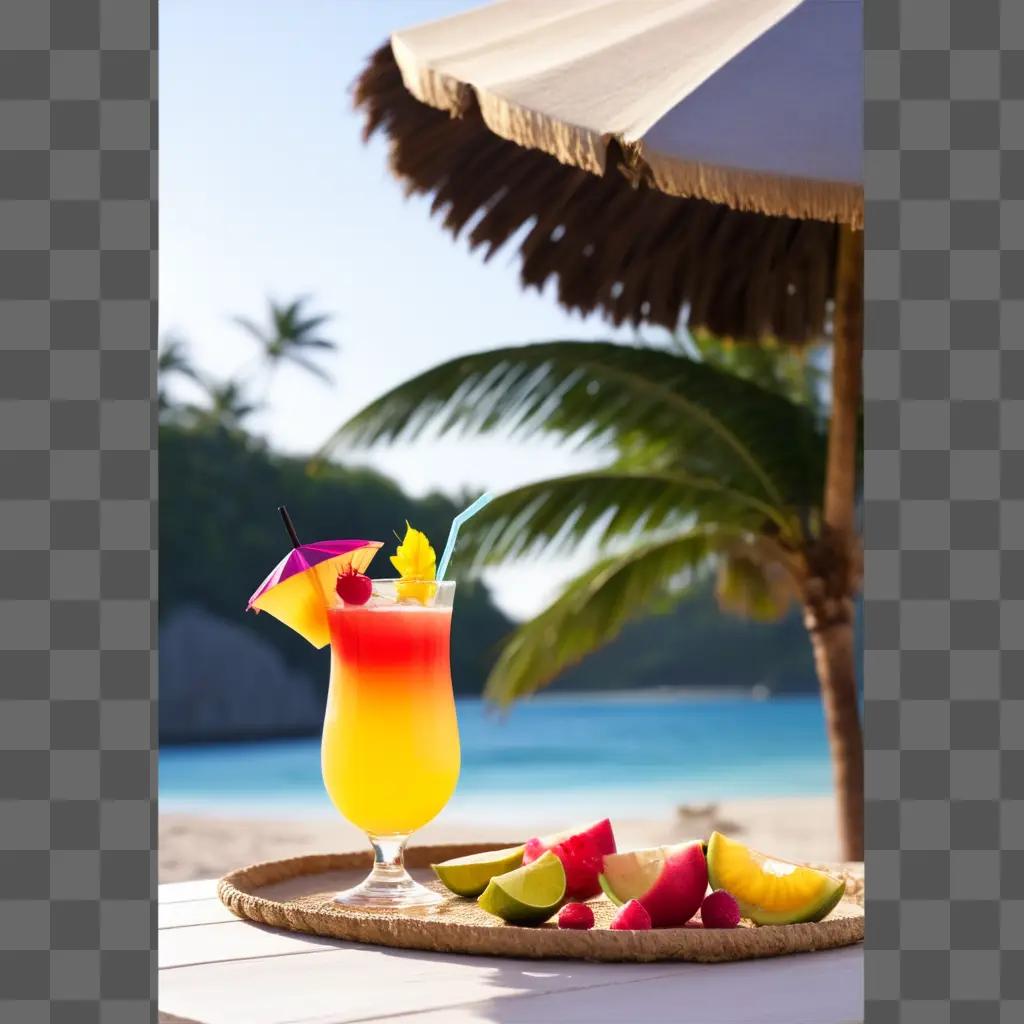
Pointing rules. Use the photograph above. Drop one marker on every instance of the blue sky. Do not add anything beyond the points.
(267, 189)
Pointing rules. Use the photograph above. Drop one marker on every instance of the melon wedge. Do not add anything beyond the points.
(769, 890)
(669, 881)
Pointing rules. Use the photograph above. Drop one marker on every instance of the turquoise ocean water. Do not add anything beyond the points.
(626, 756)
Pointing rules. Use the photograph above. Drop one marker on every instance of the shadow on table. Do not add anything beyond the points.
(825, 987)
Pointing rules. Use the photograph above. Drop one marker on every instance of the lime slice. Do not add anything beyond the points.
(468, 876)
(528, 895)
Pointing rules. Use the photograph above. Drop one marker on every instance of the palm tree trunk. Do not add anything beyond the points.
(834, 660)
(829, 606)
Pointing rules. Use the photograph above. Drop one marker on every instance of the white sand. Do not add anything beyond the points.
(200, 846)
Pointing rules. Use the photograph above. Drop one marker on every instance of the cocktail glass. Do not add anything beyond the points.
(390, 752)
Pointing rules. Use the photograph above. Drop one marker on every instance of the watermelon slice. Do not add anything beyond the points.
(582, 854)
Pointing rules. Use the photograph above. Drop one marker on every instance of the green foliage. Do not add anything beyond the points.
(795, 373)
(174, 358)
(715, 461)
(227, 406)
(173, 361)
(220, 535)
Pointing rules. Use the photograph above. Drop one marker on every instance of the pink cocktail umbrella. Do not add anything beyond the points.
(297, 589)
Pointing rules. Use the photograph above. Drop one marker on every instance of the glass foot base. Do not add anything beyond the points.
(388, 894)
(388, 886)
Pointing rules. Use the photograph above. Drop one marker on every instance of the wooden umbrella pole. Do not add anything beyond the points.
(847, 357)
(830, 614)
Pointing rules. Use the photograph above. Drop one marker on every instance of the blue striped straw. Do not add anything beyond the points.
(449, 548)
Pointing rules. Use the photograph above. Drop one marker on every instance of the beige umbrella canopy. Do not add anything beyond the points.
(656, 157)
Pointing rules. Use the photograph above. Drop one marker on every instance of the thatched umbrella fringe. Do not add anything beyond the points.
(629, 251)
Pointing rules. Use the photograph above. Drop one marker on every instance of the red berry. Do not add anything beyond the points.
(576, 915)
(354, 587)
(631, 917)
(720, 910)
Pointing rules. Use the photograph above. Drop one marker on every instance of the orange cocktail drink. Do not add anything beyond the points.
(390, 750)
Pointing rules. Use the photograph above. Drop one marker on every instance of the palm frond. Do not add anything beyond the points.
(290, 310)
(595, 606)
(713, 423)
(554, 516)
(251, 328)
(308, 365)
(311, 323)
(317, 343)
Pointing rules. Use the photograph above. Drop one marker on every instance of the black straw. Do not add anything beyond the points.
(289, 526)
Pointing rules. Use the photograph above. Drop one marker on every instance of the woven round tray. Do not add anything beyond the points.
(296, 894)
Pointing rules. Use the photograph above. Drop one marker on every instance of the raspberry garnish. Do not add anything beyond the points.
(576, 915)
(720, 910)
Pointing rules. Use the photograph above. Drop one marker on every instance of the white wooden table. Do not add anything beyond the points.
(216, 969)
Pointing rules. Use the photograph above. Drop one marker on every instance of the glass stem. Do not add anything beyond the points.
(388, 858)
